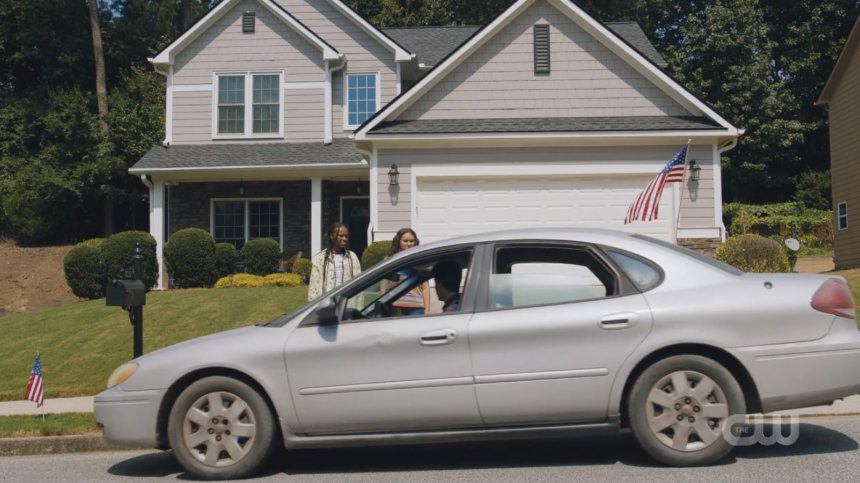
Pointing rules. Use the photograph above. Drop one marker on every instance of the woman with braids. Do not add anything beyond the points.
(417, 300)
(334, 265)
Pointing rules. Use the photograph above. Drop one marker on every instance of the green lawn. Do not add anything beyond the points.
(48, 425)
(82, 343)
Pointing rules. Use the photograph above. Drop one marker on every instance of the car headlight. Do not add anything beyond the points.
(121, 374)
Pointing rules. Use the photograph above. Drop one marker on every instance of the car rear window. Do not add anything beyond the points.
(691, 253)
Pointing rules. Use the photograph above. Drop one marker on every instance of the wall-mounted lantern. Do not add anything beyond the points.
(695, 171)
(392, 175)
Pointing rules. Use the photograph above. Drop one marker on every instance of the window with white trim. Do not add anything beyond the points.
(249, 112)
(361, 98)
(238, 220)
(842, 215)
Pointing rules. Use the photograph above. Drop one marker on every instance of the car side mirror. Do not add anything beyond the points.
(327, 311)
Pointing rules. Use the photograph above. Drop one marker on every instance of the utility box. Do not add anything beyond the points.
(125, 293)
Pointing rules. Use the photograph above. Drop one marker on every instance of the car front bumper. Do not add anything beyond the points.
(797, 375)
(128, 418)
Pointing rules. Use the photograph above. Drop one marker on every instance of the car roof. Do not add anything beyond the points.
(587, 235)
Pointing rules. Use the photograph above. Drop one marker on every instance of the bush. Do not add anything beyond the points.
(375, 253)
(282, 280)
(226, 259)
(118, 253)
(753, 253)
(240, 280)
(814, 228)
(190, 258)
(261, 256)
(302, 267)
(84, 270)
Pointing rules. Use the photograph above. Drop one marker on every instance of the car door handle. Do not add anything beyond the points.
(618, 321)
(439, 337)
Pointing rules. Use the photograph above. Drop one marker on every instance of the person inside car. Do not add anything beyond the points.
(448, 275)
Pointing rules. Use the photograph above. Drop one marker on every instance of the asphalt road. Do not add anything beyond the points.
(826, 450)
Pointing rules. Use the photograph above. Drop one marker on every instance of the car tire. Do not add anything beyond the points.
(684, 426)
(221, 428)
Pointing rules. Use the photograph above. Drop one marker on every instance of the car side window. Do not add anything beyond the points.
(540, 275)
(402, 291)
(643, 275)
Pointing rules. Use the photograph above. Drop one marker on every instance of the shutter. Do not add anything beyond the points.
(541, 42)
(248, 22)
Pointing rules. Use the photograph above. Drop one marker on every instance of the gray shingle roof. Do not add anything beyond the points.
(340, 151)
(545, 124)
(432, 44)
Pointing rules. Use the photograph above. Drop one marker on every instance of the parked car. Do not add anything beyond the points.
(558, 332)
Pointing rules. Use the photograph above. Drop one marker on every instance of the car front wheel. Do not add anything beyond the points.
(678, 409)
(221, 428)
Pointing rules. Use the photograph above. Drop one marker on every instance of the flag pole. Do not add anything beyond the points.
(681, 195)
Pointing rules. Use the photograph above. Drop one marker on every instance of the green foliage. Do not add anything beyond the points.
(261, 256)
(52, 424)
(84, 269)
(226, 259)
(118, 253)
(302, 267)
(753, 253)
(398, 13)
(814, 190)
(375, 253)
(190, 258)
(249, 280)
(814, 228)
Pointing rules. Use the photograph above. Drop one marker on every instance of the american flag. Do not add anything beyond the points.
(646, 206)
(34, 385)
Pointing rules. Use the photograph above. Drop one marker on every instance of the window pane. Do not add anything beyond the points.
(231, 120)
(265, 89)
(361, 98)
(230, 222)
(231, 90)
(265, 119)
(640, 273)
(264, 220)
(266, 104)
(231, 101)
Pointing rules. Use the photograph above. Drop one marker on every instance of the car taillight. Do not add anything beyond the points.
(834, 297)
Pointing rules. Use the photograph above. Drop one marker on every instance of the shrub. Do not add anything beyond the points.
(814, 228)
(190, 258)
(226, 259)
(753, 253)
(282, 280)
(84, 270)
(261, 256)
(375, 253)
(240, 280)
(118, 253)
(302, 268)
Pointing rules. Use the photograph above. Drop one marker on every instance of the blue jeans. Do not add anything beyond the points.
(411, 311)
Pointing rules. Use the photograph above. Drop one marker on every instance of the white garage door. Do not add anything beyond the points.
(447, 207)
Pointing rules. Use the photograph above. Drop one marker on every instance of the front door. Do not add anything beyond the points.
(355, 214)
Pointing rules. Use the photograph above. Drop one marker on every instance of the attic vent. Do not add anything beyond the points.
(541, 33)
(248, 23)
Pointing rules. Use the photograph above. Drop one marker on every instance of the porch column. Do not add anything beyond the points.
(316, 215)
(156, 229)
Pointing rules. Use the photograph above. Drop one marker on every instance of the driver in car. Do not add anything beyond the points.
(448, 275)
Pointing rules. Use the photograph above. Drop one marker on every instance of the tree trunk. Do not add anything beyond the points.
(101, 97)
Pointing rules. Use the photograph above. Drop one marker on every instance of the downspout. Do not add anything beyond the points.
(329, 70)
(373, 189)
(146, 181)
(718, 196)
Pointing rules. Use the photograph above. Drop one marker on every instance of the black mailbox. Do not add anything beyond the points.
(125, 293)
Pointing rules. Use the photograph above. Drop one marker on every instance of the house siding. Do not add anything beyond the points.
(364, 54)
(845, 162)
(586, 79)
(273, 47)
(395, 204)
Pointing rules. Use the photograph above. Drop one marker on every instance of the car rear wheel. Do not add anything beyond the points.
(221, 428)
(679, 407)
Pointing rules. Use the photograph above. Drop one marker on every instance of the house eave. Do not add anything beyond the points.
(255, 173)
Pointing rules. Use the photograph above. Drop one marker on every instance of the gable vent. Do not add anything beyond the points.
(248, 22)
(541, 33)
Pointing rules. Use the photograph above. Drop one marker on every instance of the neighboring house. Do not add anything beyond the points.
(286, 115)
(841, 98)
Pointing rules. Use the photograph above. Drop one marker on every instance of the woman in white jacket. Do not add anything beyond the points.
(333, 266)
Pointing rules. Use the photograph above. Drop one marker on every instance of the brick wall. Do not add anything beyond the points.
(706, 246)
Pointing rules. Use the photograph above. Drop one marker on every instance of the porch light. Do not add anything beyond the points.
(695, 170)
(392, 175)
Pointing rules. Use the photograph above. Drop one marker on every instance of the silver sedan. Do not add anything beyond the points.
(532, 333)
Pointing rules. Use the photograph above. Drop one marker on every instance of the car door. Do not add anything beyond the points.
(375, 370)
(554, 324)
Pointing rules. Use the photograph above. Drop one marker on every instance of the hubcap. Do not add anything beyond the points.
(219, 429)
(686, 410)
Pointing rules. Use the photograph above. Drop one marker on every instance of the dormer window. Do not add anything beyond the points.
(244, 112)
(361, 98)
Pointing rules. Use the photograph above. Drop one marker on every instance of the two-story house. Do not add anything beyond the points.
(286, 115)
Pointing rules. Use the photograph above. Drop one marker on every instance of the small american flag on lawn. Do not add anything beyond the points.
(646, 206)
(34, 385)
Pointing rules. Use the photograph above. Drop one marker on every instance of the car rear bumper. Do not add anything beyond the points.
(128, 418)
(797, 375)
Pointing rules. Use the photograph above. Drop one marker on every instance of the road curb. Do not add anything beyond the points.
(46, 445)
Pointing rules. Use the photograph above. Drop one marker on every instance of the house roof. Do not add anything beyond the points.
(547, 124)
(340, 152)
(432, 44)
(851, 45)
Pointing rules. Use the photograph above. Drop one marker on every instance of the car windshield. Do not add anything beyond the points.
(692, 254)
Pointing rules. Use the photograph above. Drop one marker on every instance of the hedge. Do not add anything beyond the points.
(753, 253)
(375, 253)
(226, 259)
(302, 267)
(190, 258)
(250, 280)
(118, 253)
(778, 221)
(261, 256)
(84, 269)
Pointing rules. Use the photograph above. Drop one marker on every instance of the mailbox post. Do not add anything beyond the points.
(131, 296)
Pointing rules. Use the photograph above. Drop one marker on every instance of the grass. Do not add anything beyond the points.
(82, 343)
(47, 425)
